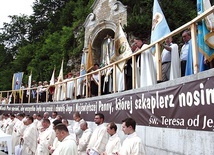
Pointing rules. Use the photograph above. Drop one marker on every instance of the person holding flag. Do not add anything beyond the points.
(205, 41)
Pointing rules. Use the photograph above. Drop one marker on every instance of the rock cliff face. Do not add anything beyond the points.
(73, 64)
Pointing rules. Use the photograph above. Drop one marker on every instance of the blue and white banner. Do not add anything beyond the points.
(160, 27)
(82, 66)
(17, 80)
(205, 38)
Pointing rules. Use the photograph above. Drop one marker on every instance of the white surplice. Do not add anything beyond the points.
(30, 140)
(120, 79)
(132, 145)
(45, 139)
(70, 89)
(113, 145)
(18, 131)
(147, 68)
(76, 128)
(67, 147)
(83, 142)
(175, 68)
(99, 139)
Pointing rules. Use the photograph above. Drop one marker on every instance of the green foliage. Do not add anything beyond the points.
(140, 15)
(54, 32)
(5, 71)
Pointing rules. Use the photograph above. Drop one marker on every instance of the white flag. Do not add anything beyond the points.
(29, 80)
(60, 77)
(52, 81)
(122, 47)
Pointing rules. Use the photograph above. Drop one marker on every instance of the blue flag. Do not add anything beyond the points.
(160, 27)
(203, 33)
(203, 48)
(82, 67)
(17, 81)
(189, 65)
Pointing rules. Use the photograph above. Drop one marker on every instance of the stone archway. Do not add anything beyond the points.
(102, 22)
(97, 43)
(97, 36)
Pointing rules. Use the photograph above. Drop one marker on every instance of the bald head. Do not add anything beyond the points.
(83, 125)
(46, 115)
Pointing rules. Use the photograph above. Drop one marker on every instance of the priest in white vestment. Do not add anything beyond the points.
(70, 129)
(18, 130)
(84, 140)
(67, 145)
(39, 123)
(76, 126)
(30, 138)
(53, 147)
(6, 120)
(10, 125)
(114, 143)
(136, 45)
(132, 145)
(99, 137)
(45, 139)
(56, 142)
(147, 68)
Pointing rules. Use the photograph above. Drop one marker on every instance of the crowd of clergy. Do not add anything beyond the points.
(53, 135)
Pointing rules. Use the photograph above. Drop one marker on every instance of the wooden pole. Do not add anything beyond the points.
(76, 87)
(37, 95)
(158, 61)
(114, 78)
(46, 94)
(194, 48)
(87, 86)
(29, 94)
(65, 85)
(22, 92)
(99, 85)
(133, 72)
